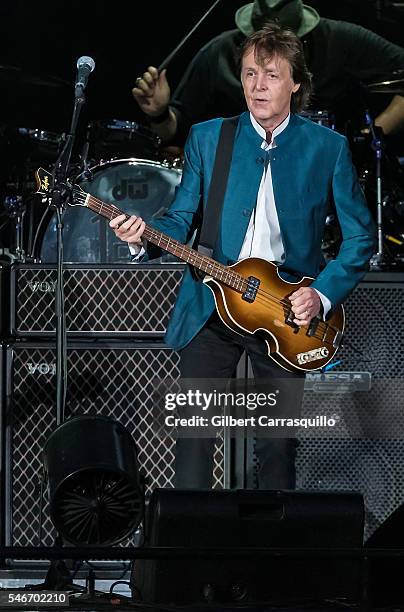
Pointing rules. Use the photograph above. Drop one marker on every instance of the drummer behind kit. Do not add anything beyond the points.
(383, 183)
(127, 165)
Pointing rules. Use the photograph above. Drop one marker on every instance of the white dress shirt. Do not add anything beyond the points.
(263, 236)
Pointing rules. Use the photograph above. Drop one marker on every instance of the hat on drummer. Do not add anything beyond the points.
(291, 14)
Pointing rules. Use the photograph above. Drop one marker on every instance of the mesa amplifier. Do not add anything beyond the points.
(365, 390)
(116, 380)
(100, 300)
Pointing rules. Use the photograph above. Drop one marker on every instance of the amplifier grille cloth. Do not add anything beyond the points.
(118, 301)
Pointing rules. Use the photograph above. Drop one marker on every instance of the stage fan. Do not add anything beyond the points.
(94, 487)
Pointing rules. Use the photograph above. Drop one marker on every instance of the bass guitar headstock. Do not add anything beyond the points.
(44, 182)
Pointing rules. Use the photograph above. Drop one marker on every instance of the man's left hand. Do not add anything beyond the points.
(306, 304)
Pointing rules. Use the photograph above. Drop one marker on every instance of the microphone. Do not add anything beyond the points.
(85, 65)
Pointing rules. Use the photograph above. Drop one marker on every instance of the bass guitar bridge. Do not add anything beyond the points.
(252, 287)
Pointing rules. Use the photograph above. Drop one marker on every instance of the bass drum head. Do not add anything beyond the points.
(137, 187)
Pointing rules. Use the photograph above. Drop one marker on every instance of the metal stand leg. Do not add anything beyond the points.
(15, 208)
(379, 260)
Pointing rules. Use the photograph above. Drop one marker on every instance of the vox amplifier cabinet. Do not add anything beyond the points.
(111, 379)
(100, 300)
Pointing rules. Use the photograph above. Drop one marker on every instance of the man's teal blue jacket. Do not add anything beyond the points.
(310, 165)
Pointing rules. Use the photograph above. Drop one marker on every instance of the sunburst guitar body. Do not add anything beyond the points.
(269, 316)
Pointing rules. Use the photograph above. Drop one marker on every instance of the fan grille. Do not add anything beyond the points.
(96, 507)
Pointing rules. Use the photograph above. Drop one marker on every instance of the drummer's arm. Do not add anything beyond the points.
(193, 99)
(369, 58)
(391, 120)
(165, 126)
(152, 93)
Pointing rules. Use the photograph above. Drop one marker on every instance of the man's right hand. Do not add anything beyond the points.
(152, 92)
(129, 230)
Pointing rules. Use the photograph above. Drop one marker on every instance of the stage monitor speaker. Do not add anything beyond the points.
(114, 380)
(248, 518)
(2, 444)
(386, 574)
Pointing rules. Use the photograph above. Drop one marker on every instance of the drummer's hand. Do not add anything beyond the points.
(152, 92)
(129, 230)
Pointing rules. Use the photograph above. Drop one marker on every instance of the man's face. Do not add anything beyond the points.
(267, 88)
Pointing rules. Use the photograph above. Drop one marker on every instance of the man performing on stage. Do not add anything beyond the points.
(284, 171)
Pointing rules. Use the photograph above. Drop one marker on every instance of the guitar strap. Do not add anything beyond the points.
(217, 189)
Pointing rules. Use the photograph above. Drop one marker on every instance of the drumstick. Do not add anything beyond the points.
(169, 57)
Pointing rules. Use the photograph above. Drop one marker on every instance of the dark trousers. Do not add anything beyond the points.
(214, 353)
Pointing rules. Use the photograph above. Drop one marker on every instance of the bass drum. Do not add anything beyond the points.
(136, 186)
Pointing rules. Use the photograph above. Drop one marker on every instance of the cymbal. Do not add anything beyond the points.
(392, 83)
(17, 75)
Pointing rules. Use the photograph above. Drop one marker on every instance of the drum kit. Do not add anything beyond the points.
(126, 166)
(123, 162)
(381, 175)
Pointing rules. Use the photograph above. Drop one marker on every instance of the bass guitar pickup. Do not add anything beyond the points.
(253, 284)
(313, 326)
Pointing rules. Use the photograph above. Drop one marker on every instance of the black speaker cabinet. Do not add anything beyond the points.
(366, 391)
(247, 518)
(386, 574)
(2, 444)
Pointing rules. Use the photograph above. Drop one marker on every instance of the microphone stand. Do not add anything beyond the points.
(59, 197)
(58, 576)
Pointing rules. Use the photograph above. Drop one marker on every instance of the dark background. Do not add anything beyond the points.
(46, 38)
(41, 41)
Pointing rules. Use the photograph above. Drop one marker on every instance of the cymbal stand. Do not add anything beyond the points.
(15, 208)
(379, 260)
